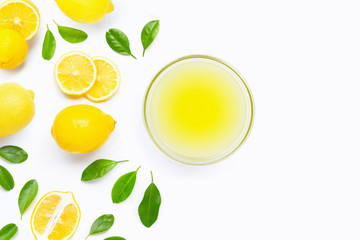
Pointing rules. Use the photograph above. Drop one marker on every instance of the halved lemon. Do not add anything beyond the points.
(107, 80)
(55, 217)
(75, 73)
(21, 16)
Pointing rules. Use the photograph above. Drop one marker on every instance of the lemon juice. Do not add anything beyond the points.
(198, 110)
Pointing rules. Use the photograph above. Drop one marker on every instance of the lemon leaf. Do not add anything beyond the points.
(149, 33)
(27, 195)
(6, 180)
(71, 35)
(114, 238)
(123, 187)
(102, 224)
(118, 41)
(98, 169)
(150, 205)
(8, 232)
(13, 154)
(49, 45)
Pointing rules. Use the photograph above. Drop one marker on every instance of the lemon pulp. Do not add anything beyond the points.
(198, 109)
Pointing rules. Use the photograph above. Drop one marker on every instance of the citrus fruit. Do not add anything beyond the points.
(82, 128)
(13, 49)
(107, 80)
(17, 108)
(75, 73)
(21, 16)
(88, 12)
(56, 216)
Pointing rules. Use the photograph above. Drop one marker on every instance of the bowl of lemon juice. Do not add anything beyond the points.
(198, 110)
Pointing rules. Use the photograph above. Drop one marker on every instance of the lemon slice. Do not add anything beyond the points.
(56, 216)
(107, 80)
(21, 16)
(75, 73)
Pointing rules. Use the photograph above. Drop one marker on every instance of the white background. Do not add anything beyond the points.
(297, 176)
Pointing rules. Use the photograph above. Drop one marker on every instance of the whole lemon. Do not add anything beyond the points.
(85, 11)
(17, 108)
(82, 128)
(13, 48)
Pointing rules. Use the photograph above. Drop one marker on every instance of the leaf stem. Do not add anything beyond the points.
(152, 177)
(55, 22)
(144, 53)
(133, 56)
(122, 161)
(138, 168)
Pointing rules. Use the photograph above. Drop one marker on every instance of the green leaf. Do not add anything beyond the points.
(118, 41)
(150, 205)
(49, 45)
(8, 232)
(27, 195)
(149, 33)
(13, 154)
(98, 169)
(114, 238)
(123, 187)
(71, 35)
(102, 224)
(6, 180)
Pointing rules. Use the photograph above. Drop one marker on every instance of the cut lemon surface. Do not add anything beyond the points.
(75, 73)
(107, 80)
(55, 217)
(21, 16)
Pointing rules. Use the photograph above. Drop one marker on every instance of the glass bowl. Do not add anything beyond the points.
(170, 149)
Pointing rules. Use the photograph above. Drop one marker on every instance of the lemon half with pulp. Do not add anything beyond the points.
(56, 216)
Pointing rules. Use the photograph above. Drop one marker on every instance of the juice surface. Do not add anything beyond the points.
(198, 108)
